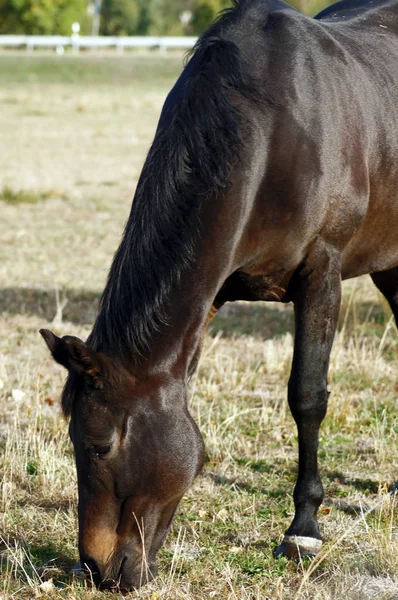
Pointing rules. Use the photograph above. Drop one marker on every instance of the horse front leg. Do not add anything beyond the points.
(316, 296)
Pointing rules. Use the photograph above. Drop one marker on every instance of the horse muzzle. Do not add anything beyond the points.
(122, 574)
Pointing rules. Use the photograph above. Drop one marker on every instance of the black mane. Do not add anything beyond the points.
(197, 142)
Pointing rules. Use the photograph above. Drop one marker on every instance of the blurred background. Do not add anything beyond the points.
(119, 17)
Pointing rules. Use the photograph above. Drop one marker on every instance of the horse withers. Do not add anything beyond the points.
(273, 175)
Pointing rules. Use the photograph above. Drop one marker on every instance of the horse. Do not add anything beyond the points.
(273, 176)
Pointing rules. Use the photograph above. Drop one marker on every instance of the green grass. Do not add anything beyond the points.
(89, 69)
(10, 196)
(97, 118)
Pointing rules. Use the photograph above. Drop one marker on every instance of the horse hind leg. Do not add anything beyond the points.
(387, 283)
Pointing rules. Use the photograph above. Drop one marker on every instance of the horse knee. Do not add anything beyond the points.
(308, 403)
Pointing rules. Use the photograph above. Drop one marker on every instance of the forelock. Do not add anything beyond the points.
(69, 393)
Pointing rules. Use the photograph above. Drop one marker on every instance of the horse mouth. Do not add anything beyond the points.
(124, 583)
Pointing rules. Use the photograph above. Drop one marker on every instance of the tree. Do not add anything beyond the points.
(120, 17)
(144, 20)
(40, 17)
(68, 12)
(204, 13)
(165, 16)
(27, 16)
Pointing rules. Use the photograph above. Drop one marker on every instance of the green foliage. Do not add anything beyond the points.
(165, 17)
(69, 11)
(204, 13)
(27, 16)
(40, 17)
(120, 17)
(32, 468)
(10, 196)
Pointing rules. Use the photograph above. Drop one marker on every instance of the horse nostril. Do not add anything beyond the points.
(91, 566)
(114, 584)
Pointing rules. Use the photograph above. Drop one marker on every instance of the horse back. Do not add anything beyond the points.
(351, 9)
(323, 155)
(312, 157)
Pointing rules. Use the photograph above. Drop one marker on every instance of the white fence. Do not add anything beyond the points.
(59, 42)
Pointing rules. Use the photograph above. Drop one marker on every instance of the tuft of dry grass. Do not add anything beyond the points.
(54, 257)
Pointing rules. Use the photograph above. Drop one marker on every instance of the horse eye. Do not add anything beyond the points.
(102, 450)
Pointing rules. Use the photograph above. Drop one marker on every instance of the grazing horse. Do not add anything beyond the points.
(273, 175)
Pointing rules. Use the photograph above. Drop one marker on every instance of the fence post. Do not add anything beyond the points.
(75, 37)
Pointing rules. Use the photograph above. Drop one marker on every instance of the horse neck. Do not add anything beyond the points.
(175, 346)
(191, 307)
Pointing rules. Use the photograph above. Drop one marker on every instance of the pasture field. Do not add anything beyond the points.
(73, 137)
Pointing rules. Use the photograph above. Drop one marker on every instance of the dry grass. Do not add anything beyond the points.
(80, 128)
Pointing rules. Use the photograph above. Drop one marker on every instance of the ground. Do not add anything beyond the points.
(74, 133)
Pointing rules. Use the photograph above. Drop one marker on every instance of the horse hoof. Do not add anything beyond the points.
(297, 546)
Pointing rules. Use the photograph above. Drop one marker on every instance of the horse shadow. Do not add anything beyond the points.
(69, 305)
(41, 562)
(262, 320)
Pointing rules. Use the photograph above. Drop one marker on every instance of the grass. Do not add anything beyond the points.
(98, 115)
(92, 69)
(10, 196)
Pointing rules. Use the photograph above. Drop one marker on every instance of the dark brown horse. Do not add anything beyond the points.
(273, 175)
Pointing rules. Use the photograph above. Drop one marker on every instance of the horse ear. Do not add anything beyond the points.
(50, 338)
(74, 355)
